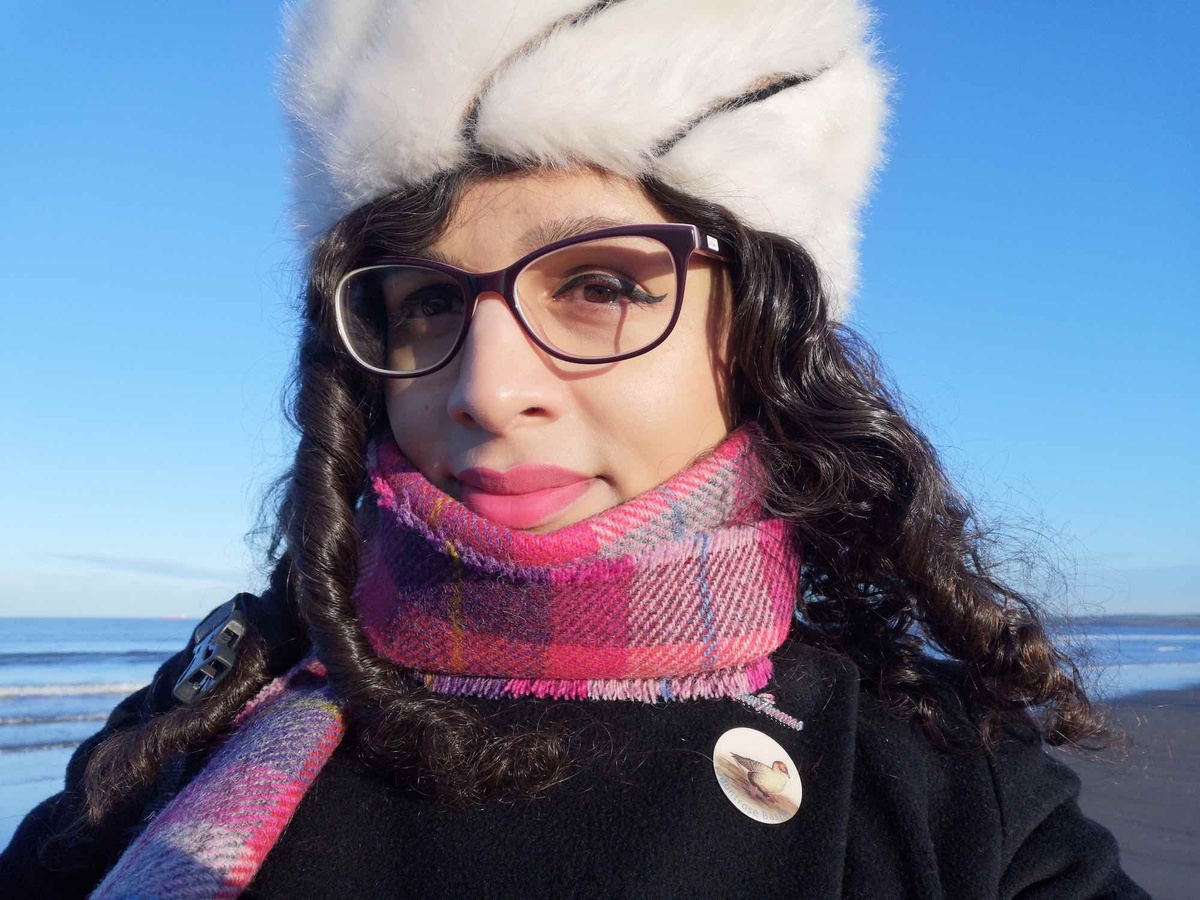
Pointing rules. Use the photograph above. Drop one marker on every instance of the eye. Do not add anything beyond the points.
(427, 302)
(604, 288)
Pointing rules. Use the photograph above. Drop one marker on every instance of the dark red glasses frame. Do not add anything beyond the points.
(682, 240)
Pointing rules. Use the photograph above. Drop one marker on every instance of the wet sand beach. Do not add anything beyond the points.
(1148, 792)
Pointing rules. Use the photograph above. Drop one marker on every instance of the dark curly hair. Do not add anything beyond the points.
(896, 568)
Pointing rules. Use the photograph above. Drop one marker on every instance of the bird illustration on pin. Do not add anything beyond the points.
(766, 780)
(767, 792)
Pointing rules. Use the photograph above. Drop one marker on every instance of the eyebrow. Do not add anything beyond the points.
(430, 253)
(559, 229)
(544, 233)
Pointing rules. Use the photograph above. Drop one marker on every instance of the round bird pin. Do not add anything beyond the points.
(757, 775)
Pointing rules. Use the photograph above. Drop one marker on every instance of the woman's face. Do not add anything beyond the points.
(618, 428)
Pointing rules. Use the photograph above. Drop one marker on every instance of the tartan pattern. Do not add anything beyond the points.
(680, 592)
(209, 842)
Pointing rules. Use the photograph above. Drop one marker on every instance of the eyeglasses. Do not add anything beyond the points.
(598, 297)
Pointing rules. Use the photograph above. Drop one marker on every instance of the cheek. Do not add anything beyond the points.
(413, 410)
(654, 413)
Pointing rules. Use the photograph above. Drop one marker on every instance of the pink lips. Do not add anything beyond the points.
(524, 496)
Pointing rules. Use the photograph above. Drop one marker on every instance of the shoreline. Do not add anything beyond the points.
(1145, 789)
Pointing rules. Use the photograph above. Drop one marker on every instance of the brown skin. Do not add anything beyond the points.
(503, 401)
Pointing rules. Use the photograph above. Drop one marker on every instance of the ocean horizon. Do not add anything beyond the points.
(60, 677)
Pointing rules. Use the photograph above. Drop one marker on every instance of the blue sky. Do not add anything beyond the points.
(1029, 278)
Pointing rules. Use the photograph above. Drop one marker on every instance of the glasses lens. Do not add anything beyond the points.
(401, 318)
(600, 298)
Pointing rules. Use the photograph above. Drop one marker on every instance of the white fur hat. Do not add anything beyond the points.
(772, 108)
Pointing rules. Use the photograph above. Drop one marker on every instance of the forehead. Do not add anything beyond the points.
(500, 219)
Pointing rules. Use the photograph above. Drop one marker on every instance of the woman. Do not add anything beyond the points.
(607, 565)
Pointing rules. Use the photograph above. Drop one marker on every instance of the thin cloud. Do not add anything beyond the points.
(161, 568)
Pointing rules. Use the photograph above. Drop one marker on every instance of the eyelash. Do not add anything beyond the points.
(626, 288)
(416, 299)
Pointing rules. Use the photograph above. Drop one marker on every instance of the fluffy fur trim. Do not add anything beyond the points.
(773, 108)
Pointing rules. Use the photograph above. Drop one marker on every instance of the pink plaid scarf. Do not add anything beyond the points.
(680, 592)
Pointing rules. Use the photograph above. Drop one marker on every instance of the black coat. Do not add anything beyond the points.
(884, 814)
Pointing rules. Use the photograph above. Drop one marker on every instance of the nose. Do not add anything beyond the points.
(503, 380)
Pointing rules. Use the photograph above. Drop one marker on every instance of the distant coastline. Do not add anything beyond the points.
(1130, 621)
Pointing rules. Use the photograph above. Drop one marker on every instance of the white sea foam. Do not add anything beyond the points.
(35, 747)
(52, 719)
(1131, 636)
(68, 690)
(1169, 667)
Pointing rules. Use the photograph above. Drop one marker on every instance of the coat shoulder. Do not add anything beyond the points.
(1003, 819)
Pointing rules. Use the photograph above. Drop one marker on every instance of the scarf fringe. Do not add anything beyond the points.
(731, 682)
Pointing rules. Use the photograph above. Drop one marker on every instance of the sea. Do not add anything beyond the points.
(59, 678)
